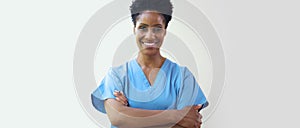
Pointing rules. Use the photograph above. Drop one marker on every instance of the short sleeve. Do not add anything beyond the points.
(105, 90)
(190, 92)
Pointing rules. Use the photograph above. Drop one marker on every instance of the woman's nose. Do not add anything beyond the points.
(150, 35)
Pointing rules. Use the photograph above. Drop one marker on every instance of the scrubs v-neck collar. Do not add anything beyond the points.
(139, 89)
(141, 72)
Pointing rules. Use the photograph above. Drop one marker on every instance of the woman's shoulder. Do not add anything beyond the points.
(177, 67)
(120, 70)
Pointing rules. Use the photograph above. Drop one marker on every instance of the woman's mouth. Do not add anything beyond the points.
(150, 44)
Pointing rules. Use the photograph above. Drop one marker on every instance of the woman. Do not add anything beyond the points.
(155, 91)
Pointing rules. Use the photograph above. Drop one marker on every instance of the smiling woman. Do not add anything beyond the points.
(150, 90)
(150, 32)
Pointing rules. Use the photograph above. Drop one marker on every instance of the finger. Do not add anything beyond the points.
(120, 95)
(200, 124)
(123, 98)
(117, 93)
(192, 114)
(121, 101)
(200, 116)
(123, 95)
(187, 123)
(200, 120)
(197, 125)
(118, 99)
(197, 107)
(193, 117)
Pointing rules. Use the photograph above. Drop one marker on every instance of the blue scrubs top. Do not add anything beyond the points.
(174, 87)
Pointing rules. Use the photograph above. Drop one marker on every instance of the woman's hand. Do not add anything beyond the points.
(120, 97)
(191, 118)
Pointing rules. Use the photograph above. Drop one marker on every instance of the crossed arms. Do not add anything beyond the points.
(121, 115)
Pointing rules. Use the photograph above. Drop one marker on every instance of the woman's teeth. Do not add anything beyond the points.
(149, 44)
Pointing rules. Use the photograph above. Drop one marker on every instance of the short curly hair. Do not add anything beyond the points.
(164, 7)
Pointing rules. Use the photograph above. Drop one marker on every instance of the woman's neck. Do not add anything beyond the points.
(155, 61)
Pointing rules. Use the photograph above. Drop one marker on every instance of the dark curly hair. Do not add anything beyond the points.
(164, 7)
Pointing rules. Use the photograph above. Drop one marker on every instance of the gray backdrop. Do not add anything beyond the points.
(259, 39)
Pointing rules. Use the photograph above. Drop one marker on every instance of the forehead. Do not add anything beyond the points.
(150, 18)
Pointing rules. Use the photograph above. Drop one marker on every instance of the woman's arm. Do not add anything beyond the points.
(123, 116)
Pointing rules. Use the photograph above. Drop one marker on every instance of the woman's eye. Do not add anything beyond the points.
(142, 28)
(157, 29)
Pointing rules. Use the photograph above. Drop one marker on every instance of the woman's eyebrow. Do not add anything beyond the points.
(142, 24)
(157, 25)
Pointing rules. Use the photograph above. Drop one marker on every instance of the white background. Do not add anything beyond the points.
(260, 39)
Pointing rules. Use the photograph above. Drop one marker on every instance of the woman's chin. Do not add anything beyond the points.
(150, 51)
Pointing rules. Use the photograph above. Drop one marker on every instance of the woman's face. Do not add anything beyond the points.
(149, 32)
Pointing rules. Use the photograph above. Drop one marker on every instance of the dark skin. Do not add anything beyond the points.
(184, 122)
(150, 32)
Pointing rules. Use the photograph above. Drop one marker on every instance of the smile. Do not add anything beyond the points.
(149, 44)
